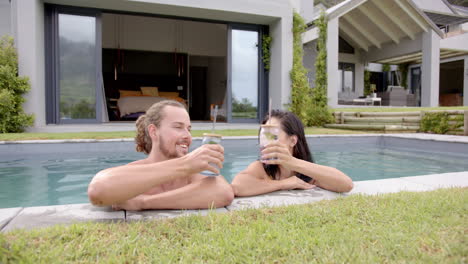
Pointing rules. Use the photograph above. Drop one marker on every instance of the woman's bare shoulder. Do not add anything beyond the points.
(255, 169)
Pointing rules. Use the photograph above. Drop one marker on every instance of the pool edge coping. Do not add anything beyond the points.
(71, 213)
(420, 136)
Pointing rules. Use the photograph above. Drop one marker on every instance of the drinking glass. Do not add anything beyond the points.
(268, 134)
(209, 138)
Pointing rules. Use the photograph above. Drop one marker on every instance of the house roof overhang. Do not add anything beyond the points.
(368, 23)
(446, 19)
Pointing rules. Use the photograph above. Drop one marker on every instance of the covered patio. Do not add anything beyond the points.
(393, 32)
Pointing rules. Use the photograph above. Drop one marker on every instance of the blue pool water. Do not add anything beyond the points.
(52, 174)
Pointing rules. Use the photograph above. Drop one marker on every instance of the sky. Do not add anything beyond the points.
(245, 65)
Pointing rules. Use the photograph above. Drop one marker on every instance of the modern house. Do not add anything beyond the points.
(105, 61)
(427, 37)
(80, 55)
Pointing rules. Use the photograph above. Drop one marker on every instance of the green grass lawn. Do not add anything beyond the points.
(131, 134)
(397, 109)
(428, 227)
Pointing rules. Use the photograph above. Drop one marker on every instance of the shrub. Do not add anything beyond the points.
(319, 113)
(12, 87)
(367, 84)
(439, 123)
(266, 44)
(300, 91)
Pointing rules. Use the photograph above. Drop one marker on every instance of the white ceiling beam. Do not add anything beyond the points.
(362, 29)
(411, 14)
(380, 5)
(404, 57)
(452, 54)
(378, 22)
(410, 59)
(349, 32)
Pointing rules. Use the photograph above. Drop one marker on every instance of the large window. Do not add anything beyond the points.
(244, 74)
(346, 77)
(73, 59)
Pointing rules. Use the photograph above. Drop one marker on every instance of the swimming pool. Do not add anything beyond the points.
(52, 174)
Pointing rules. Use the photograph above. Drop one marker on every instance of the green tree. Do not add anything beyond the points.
(12, 87)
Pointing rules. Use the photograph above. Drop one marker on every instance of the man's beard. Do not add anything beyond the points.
(165, 150)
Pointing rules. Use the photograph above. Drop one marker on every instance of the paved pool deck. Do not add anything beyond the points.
(43, 216)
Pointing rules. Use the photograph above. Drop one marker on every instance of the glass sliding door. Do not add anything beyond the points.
(346, 72)
(76, 78)
(416, 84)
(243, 71)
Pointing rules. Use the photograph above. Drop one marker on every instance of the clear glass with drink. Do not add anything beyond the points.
(209, 138)
(268, 134)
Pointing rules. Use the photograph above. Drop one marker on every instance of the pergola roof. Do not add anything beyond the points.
(417, 57)
(446, 19)
(367, 23)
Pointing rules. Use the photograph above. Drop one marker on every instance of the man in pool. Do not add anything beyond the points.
(169, 178)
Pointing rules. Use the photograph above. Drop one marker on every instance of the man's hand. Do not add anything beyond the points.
(294, 182)
(278, 154)
(200, 159)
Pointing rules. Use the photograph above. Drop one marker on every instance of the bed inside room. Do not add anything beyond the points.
(149, 59)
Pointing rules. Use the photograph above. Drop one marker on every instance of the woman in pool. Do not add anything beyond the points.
(292, 166)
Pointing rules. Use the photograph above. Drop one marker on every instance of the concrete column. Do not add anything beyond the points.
(465, 83)
(281, 62)
(359, 68)
(30, 45)
(430, 69)
(332, 62)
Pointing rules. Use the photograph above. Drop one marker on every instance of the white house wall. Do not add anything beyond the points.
(458, 42)
(5, 18)
(281, 62)
(30, 45)
(433, 5)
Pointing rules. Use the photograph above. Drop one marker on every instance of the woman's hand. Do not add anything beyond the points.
(277, 153)
(294, 182)
(134, 204)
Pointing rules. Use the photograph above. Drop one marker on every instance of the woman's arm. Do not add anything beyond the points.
(325, 177)
(254, 181)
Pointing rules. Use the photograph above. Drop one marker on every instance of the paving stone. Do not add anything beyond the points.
(443, 180)
(387, 186)
(42, 216)
(6, 214)
(161, 214)
(281, 198)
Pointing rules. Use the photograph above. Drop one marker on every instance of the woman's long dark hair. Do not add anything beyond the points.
(291, 125)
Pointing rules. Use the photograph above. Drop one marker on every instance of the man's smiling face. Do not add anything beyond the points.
(174, 132)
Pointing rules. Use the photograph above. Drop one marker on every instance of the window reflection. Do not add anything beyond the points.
(244, 74)
(77, 44)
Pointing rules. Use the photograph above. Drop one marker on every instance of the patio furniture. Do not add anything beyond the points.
(368, 100)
